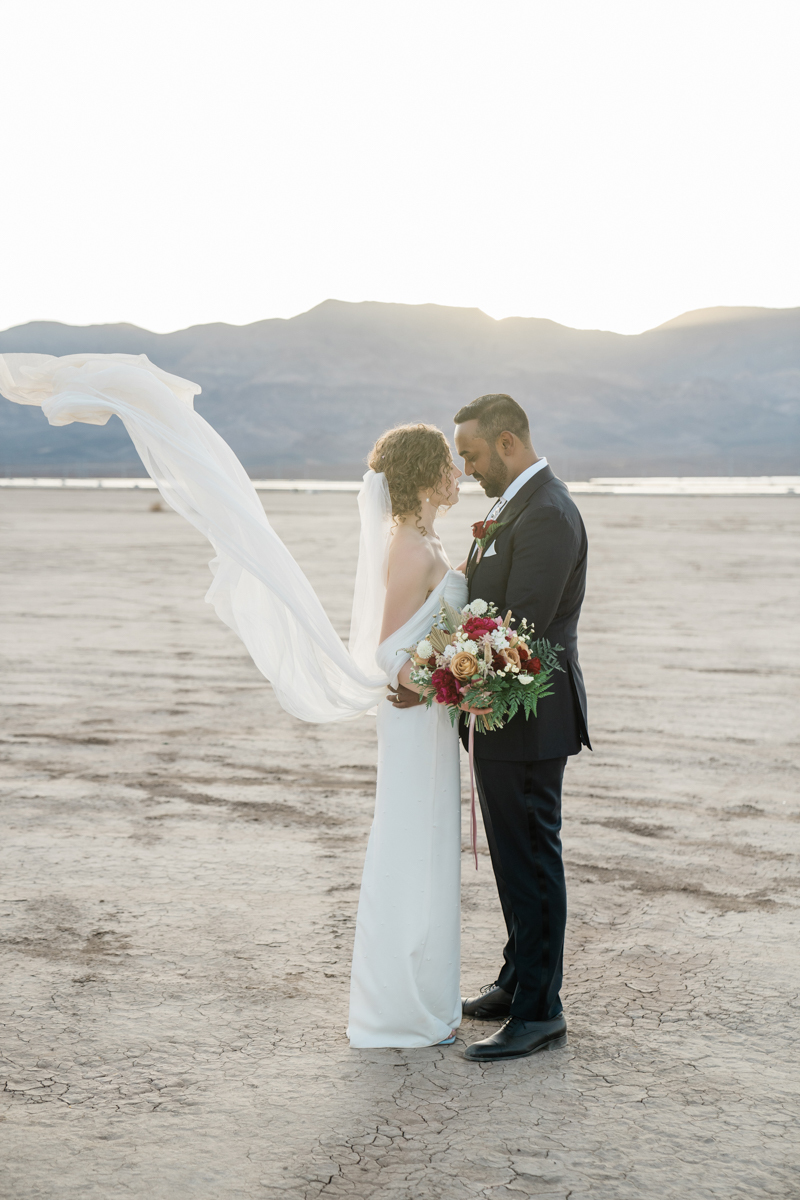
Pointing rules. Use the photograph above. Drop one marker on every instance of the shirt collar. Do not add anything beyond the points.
(522, 479)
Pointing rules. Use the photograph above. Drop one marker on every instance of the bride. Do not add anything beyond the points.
(404, 989)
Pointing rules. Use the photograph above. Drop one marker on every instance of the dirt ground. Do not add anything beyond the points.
(180, 866)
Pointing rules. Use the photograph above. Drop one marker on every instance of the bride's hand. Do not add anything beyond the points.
(479, 712)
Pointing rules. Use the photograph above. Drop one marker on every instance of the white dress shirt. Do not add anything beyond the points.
(514, 487)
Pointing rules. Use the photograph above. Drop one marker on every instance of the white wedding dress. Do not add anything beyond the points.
(406, 963)
(404, 986)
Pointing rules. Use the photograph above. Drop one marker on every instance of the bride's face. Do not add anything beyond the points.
(446, 493)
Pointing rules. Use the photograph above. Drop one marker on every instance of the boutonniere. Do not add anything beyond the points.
(484, 531)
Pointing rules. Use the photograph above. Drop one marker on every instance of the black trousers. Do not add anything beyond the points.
(521, 806)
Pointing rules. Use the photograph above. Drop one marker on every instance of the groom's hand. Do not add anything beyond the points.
(403, 697)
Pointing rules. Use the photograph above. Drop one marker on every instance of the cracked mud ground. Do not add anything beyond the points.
(180, 865)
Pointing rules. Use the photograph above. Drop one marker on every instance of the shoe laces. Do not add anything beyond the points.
(511, 1023)
(489, 987)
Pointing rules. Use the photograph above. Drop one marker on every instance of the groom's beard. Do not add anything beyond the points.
(495, 481)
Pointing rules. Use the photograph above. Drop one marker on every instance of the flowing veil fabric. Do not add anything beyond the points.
(258, 588)
(375, 510)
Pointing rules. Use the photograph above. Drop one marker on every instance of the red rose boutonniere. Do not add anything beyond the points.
(483, 532)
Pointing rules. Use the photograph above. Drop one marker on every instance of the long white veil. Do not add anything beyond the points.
(258, 588)
(375, 510)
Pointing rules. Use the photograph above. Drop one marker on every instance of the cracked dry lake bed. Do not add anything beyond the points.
(180, 864)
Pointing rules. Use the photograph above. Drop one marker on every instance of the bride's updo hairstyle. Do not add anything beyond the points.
(411, 457)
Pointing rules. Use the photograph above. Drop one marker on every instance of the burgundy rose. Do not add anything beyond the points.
(523, 651)
(535, 665)
(481, 529)
(446, 687)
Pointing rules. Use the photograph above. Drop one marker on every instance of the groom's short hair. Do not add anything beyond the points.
(496, 413)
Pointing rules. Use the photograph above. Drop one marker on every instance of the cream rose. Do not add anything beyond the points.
(511, 656)
(464, 665)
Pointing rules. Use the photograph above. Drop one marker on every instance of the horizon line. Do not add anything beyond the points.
(608, 485)
(728, 309)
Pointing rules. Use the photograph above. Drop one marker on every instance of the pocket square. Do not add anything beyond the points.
(490, 551)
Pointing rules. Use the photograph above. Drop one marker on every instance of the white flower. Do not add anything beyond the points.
(500, 639)
(424, 648)
(525, 678)
(448, 652)
(469, 646)
(478, 607)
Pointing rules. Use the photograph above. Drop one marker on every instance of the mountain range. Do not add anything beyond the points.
(713, 392)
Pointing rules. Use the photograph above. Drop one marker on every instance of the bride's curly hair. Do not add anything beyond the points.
(411, 457)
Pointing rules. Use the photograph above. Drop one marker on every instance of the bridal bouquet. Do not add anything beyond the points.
(474, 657)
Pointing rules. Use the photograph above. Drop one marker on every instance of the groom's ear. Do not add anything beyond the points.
(506, 444)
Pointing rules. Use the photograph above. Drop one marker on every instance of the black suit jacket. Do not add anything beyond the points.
(538, 570)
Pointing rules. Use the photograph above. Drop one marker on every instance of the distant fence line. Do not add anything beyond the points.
(688, 485)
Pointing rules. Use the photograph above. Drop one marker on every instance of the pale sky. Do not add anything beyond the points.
(605, 163)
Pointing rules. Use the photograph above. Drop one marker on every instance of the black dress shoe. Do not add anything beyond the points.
(492, 1005)
(517, 1038)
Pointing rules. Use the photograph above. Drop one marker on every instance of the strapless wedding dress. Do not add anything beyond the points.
(404, 987)
(406, 963)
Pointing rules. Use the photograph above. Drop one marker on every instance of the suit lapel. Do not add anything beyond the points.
(471, 557)
(473, 550)
(519, 502)
(510, 513)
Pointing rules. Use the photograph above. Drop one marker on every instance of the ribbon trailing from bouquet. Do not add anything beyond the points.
(473, 818)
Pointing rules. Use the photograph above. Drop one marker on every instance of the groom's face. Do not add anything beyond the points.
(481, 460)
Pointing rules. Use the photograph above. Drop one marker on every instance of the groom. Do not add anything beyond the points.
(534, 563)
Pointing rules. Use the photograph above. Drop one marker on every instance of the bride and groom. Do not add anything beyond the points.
(405, 975)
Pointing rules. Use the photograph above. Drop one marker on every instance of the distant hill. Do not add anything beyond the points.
(715, 391)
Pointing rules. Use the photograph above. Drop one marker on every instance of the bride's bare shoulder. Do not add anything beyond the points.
(409, 551)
